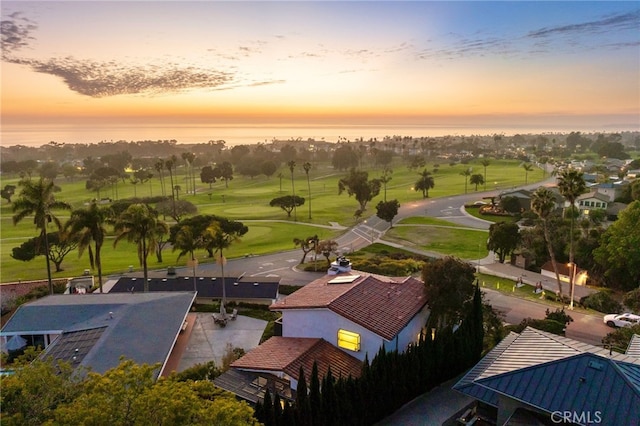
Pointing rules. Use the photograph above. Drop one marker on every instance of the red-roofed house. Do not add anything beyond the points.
(335, 321)
(358, 313)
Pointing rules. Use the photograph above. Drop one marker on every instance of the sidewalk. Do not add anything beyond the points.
(508, 271)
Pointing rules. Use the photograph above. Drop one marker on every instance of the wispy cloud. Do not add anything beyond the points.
(16, 32)
(543, 40)
(620, 22)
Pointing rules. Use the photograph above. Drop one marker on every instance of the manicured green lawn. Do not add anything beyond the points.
(248, 199)
(464, 243)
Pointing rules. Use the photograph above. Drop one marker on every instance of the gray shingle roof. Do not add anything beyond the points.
(142, 327)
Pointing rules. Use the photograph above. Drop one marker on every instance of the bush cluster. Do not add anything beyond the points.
(601, 302)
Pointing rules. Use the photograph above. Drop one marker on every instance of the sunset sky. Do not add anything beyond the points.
(83, 63)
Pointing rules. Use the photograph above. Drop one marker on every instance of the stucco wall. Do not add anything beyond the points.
(324, 323)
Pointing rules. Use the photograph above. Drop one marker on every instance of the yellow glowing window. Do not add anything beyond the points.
(349, 340)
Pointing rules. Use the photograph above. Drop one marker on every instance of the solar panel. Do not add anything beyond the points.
(344, 279)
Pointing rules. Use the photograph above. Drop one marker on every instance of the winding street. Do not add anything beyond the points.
(587, 328)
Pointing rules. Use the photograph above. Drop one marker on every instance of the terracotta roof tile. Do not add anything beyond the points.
(381, 304)
(288, 354)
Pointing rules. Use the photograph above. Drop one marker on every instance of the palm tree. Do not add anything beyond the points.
(88, 226)
(425, 183)
(543, 203)
(220, 234)
(188, 242)
(385, 179)
(170, 164)
(485, 163)
(476, 180)
(292, 166)
(527, 168)
(466, 175)
(571, 185)
(37, 199)
(159, 166)
(139, 224)
(307, 167)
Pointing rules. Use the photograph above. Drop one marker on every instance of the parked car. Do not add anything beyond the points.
(621, 320)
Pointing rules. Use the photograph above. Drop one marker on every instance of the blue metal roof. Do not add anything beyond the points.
(580, 384)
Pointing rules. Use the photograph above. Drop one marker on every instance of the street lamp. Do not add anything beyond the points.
(572, 272)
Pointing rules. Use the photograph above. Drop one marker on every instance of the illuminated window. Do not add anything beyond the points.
(349, 340)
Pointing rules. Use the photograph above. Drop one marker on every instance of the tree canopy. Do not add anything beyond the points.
(387, 210)
(618, 252)
(357, 184)
(504, 238)
(287, 203)
(448, 287)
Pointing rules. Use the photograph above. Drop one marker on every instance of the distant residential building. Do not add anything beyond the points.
(592, 201)
(564, 271)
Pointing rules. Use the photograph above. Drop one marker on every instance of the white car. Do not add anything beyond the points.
(622, 320)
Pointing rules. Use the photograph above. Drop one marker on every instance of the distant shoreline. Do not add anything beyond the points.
(33, 136)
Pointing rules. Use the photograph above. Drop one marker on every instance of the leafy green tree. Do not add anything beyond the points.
(88, 226)
(224, 171)
(357, 184)
(504, 238)
(448, 289)
(268, 168)
(177, 209)
(425, 183)
(140, 225)
(7, 192)
(59, 247)
(632, 300)
(618, 253)
(307, 245)
(207, 175)
(543, 204)
(387, 210)
(619, 339)
(288, 203)
(34, 391)
(510, 204)
(344, 157)
(37, 199)
(327, 248)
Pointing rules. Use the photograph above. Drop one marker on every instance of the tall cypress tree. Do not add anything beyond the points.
(267, 410)
(315, 398)
(329, 399)
(277, 410)
(302, 406)
(478, 324)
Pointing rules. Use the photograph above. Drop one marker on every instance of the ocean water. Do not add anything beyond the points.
(35, 135)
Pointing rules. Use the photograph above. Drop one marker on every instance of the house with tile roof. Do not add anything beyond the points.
(335, 321)
(357, 312)
(95, 330)
(534, 376)
(275, 365)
